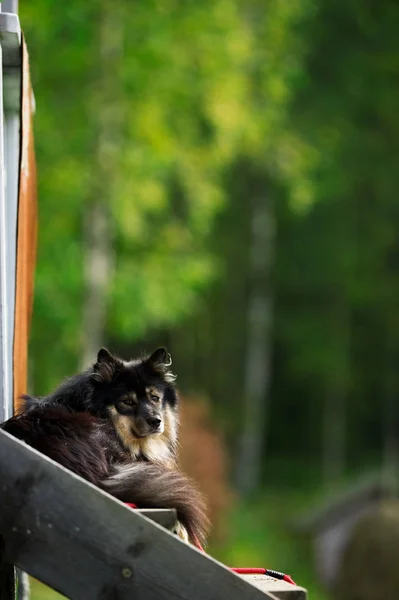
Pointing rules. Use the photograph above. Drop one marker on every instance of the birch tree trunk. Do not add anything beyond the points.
(259, 346)
(107, 114)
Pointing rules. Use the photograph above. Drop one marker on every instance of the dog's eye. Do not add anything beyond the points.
(154, 398)
(128, 401)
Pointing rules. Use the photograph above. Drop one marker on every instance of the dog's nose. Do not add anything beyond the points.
(154, 421)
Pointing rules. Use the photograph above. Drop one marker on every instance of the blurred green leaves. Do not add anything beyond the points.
(193, 87)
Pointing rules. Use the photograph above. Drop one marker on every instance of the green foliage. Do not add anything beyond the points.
(189, 88)
(329, 165)
(261, 536)
(41, 592)
(337, 268)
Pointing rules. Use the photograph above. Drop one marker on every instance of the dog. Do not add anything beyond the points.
(139, 396)
(116, 425)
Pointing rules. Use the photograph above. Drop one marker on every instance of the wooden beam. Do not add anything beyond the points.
(281, 590)
(166, 517)
(87, 545)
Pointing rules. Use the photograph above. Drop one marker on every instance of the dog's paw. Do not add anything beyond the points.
(180, 531)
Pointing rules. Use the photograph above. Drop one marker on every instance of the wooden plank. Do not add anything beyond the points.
(166, 517)
(87, 545)
(280, 589)
(7, 582)
(27, 236)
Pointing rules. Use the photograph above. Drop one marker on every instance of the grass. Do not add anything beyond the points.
(39, 591)
(262, 536)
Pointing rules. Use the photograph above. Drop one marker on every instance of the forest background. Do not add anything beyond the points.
(222, 177)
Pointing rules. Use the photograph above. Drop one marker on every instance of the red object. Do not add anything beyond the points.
(245, 570)
(249, 571)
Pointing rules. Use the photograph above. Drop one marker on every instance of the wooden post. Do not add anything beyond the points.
(11, 234)
(7, 576)
(27, 235)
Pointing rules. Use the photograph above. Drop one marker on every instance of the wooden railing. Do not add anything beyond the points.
(87, 545)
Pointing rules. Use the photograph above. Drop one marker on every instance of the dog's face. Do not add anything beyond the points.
(144, 409)
(139, 395)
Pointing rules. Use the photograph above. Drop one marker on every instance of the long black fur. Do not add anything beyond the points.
(104, 389)
(73, 426)
(108, 379)
(89, 447)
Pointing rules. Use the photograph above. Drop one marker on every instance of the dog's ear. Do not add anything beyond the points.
(106, 367)
(104, 356)
(160, 360)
